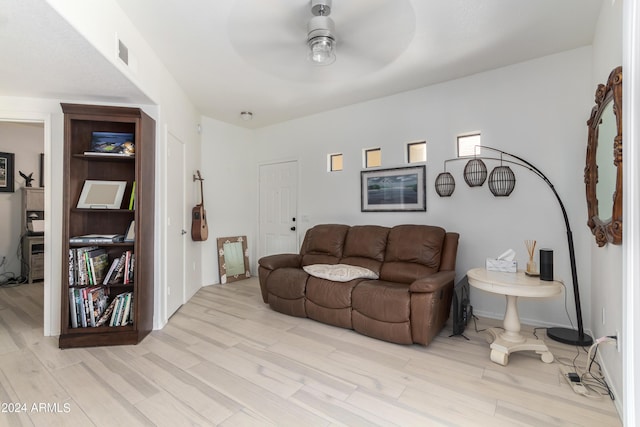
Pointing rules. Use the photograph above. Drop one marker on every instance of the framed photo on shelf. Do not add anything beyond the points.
(121, 143)
(7, 172)
(393, 190)
(102, 194)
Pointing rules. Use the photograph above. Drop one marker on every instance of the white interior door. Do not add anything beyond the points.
(278, 208)
(176, 224)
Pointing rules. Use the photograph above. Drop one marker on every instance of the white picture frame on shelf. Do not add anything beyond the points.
(101, 194)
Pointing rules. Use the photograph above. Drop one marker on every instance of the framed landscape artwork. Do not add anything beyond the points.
(393, 190)
(7, 173)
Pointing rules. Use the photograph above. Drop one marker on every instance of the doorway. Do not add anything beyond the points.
(22, 247)
(278, 204)
(176, 225)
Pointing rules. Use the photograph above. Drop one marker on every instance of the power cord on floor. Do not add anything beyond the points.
(590, 380)
(593, 381)
(9, 279)
(475, 325)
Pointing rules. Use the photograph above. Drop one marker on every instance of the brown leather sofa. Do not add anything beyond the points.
(408, 303)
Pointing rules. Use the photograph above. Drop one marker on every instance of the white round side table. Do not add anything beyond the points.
(513, 285)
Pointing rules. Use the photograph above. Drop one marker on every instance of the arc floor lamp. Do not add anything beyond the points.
(501, 183)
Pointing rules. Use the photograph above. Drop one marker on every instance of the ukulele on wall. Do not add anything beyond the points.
(199, 227)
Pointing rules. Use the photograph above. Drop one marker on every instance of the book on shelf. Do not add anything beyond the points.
(97, 262)
(124, 321)
(81, 307)
(72, 307)
(116, 310)
(132, 199)
(131, 268)
(90, 266)
(97, 238)
(106, 315)
(97, 299)
(118, 274)
(128, 268)
(118, 316)
(111, 271)
(90, 307)
(78, 275)
(72, 268)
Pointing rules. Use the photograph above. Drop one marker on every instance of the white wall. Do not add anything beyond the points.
(537, 110)
(230, 173)
(606, 261)
(26, 141)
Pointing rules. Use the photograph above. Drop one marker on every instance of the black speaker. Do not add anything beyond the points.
(546, 264)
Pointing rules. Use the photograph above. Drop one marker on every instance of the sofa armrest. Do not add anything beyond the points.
(273, 262)
(433, 283)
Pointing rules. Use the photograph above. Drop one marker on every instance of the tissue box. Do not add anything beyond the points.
(494, 264)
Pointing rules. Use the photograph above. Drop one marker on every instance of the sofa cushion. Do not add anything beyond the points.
(339, 272)
(382, 310)
(381, 300)
(323, 244)
(287, 283)
(413, 251)
(399, 333)
(365, 246)
(332, 316)
(327, 293)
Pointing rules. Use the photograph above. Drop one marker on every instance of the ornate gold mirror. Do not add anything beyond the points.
(603, 172)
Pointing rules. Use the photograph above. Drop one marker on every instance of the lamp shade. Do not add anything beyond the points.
(475, 173)
(445, 184)
(502, 181)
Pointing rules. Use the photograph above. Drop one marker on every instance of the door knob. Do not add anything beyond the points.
(293, 228)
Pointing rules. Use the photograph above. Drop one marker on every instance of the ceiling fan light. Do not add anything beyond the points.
(320, 40)
(321, 50)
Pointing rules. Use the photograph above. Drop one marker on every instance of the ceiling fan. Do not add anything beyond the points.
(320, 36)
(361, 36)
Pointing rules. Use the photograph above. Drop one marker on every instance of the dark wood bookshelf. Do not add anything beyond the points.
(80, 121)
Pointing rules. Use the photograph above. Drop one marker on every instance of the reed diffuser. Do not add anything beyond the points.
(532, 268)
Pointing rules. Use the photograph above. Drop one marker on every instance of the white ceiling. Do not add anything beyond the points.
(44, 57)
(249, 55)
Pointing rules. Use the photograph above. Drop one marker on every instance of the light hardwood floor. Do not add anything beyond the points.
(226, 359)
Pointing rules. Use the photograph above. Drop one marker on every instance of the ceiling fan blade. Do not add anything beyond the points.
(379, 29)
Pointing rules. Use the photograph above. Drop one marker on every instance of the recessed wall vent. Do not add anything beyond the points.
(123, 52)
